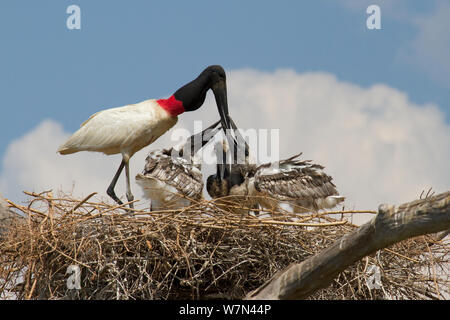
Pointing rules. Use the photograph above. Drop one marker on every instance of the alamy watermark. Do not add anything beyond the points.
(74, 279)
(74, 19)
(263, 145)
(373, 21)
(373, 281)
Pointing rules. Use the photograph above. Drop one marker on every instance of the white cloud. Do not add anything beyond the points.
(32, 164)
(379, 146)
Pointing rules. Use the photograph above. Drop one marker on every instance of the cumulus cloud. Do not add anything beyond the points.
(379, 146)
(31, 163)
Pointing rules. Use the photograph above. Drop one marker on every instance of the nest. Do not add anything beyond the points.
(68, 248)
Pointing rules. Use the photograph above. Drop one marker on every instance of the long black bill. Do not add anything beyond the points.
(220, 93)
(239, 137)
(222, 167)
(199, 140)
(240, 156)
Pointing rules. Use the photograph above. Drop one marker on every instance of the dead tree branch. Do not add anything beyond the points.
(391, 225)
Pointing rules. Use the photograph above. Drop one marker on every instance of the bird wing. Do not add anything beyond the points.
(176, 172)
(92, 116)
(123, 129)
(292, 179)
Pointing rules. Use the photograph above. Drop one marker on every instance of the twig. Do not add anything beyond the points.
(83, 201)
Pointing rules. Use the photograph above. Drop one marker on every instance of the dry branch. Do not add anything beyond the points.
(7, 217)
(390, 226)
(198, 252)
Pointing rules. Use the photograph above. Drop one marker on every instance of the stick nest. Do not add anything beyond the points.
(200, 252)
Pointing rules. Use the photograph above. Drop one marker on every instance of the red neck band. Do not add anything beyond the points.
(173, 106)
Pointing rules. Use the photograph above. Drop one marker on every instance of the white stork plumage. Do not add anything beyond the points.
(172, 178)
(302, 184)
(128, 129)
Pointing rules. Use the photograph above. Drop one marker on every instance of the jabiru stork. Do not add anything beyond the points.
(172, 178)
(302, 184)
(130, 128)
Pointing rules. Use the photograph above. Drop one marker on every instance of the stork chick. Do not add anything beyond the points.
(229, 183)
(172, 177)
(302, 184)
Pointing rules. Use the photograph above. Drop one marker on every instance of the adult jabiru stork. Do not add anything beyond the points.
(172, 178)
(302, 184)
(130, 128)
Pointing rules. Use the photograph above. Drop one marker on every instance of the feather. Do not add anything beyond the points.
(109, 131)
(298, 182)
(170, 180)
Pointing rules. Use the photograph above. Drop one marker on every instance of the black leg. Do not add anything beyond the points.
(111, 187)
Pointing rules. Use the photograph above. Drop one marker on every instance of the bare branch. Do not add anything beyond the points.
(300, 280)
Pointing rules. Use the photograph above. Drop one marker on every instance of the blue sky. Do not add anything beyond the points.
(129, 51)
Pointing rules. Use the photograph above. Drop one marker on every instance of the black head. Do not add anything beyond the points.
(217, 187)
(217, 184)
(217, 73)
(193, 94)
(220, 183)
